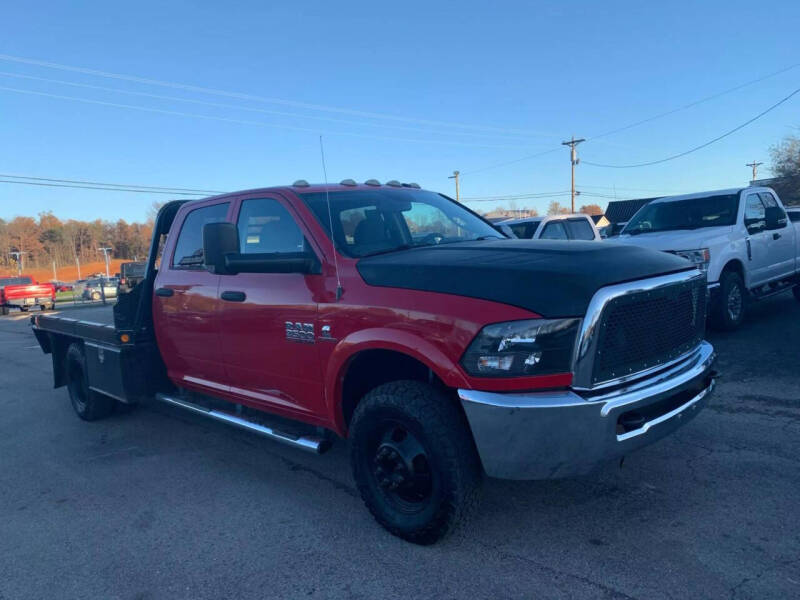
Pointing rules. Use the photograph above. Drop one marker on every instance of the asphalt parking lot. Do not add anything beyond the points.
(157, 503)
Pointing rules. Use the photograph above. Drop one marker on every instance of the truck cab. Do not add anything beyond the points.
(555, 227)
(741, 238)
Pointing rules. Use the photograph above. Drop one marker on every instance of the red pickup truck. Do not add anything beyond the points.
(399, 320)
(23, 292)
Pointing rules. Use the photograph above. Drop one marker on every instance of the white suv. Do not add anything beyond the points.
(741, 238)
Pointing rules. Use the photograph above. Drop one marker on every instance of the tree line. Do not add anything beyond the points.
(47, 239)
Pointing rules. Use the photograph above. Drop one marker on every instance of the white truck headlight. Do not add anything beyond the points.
(699, 257)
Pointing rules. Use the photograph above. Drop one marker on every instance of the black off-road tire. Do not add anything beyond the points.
(442, 430)
(88, 405)
(3, 310)
(723, 315)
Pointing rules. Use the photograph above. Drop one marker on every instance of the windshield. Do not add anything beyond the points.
(367, 222)
(711, 211)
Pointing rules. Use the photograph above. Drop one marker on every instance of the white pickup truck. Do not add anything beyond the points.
(740, 237)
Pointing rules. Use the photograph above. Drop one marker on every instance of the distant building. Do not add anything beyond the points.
(502, 214)
(619, 212)
(600, 220)
(788, 188)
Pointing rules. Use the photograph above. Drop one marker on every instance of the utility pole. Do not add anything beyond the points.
(573, 158)
(455, 176)
(18, 257)
(105, 252)
(754, 166)
(78, 264)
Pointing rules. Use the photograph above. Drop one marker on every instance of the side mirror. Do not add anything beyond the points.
(221, 255)
(219, 240)
(775, 217)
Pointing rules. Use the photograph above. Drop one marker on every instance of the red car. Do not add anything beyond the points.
(23, 292)
(399, 320)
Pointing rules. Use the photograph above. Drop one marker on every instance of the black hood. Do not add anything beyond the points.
(553, 279)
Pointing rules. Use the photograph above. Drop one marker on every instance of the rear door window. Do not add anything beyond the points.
(189, 248)
(580, 229)
(554, 230)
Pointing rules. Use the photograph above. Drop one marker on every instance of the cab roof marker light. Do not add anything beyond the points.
(412, 185)
(300, 183)
(394, 183)
(349, 182)
(372, 182)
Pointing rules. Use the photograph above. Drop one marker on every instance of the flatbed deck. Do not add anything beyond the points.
(95, 324)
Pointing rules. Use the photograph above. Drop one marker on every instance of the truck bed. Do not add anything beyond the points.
(95, 324)
(119, 363)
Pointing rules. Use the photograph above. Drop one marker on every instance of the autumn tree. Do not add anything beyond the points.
(49, 240)
(591, 209)
(556, 208)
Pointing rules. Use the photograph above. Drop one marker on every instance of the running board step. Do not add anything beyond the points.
(308, 443)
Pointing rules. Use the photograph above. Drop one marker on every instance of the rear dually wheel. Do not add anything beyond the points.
(88, 404)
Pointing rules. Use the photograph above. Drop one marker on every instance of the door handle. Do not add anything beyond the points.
(165, 292)
(231, 296)
(776, 236)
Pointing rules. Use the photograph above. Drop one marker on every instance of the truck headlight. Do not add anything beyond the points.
(522, 348)
(699, 257)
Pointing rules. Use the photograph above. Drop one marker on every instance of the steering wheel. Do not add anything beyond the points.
(434, 237)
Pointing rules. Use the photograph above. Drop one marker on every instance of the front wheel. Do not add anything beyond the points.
(414, 461)
(730, 307)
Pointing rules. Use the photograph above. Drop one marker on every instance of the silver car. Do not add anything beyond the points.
(96, 288)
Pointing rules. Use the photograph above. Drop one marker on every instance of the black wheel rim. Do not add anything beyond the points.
(399, 465)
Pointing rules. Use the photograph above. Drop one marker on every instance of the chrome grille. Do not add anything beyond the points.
(643, 330)
(635, 327)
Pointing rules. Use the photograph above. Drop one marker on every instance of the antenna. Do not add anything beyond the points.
(339, 289)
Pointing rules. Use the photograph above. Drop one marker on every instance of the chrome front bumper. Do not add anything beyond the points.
(545, 435)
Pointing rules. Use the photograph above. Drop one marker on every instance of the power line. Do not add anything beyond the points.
(701, 146)
(251, 108)
(102, 183)
(244, 121)
(521, 196)
(694, 103)
(510, 162)
(255, 98)
(642, 121)
(509, 198)
(634, 189)
(86, 187)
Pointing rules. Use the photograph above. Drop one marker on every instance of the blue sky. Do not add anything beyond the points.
(407, 91)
